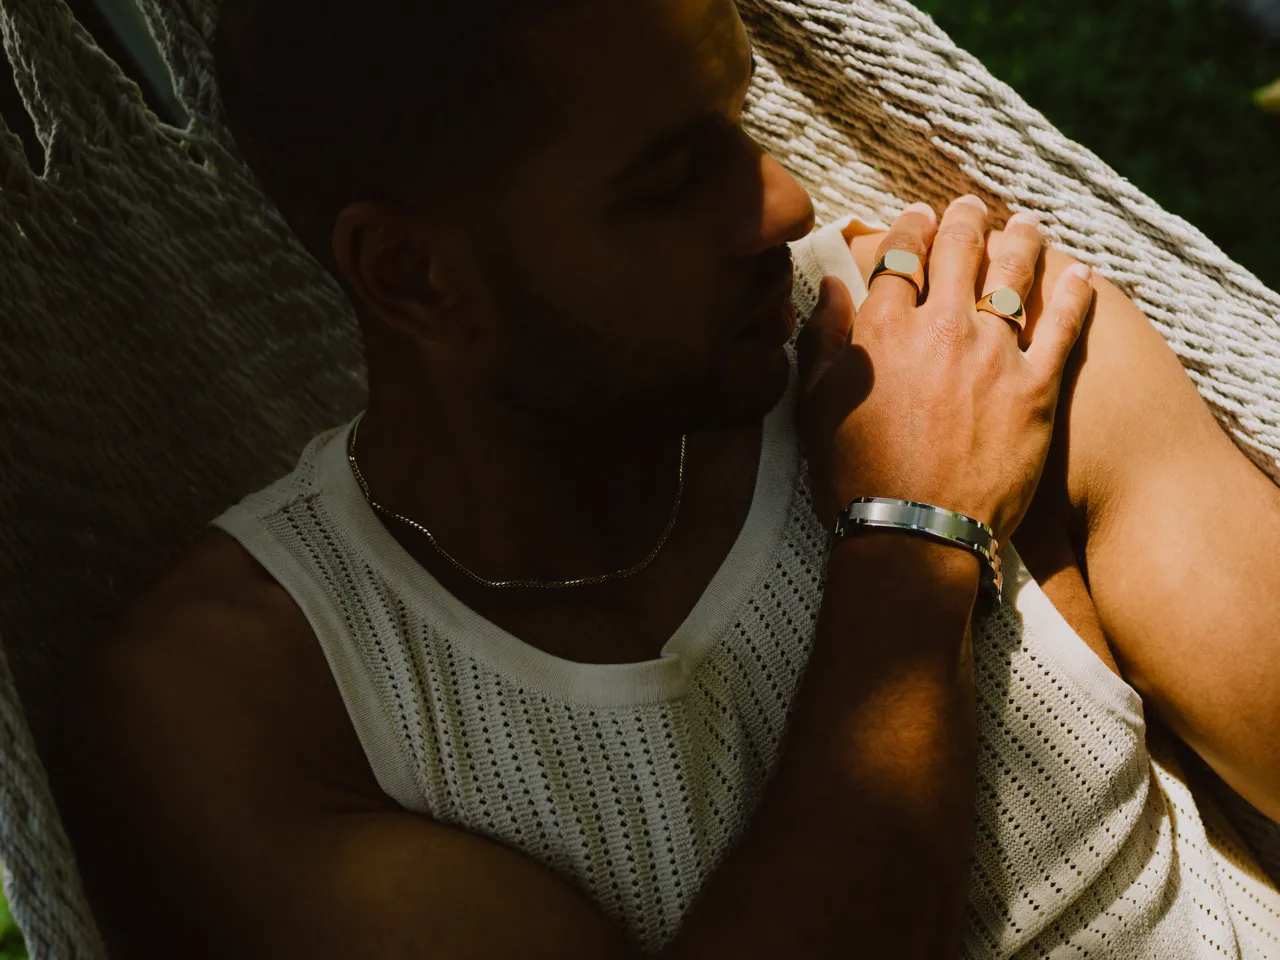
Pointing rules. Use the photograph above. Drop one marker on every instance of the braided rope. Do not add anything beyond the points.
(169, 345)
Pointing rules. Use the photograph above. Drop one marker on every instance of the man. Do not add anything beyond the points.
(329, 734)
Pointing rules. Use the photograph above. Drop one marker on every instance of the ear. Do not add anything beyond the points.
(387, 258)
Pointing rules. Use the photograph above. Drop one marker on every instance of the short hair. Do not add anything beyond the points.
(335, 101)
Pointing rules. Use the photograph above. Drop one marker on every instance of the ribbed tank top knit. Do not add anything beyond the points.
(634, 780)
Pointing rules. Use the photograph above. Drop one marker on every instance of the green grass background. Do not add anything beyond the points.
(11, 945)
(1159, 89)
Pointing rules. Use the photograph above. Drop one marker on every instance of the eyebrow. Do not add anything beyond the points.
(673, 139)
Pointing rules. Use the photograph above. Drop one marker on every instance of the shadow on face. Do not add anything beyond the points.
(617, 278)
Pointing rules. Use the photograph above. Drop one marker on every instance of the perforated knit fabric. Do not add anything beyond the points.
(141, 259)
(635, 780)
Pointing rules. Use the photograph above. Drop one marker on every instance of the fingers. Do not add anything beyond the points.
(913, 232)
(1058, 328)
(1015, 263)
(827, 333)
(958, 250)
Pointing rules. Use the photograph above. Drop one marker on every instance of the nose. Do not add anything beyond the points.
(781, 212)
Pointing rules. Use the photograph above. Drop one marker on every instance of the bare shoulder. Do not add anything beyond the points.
(211, 788)
(205, 725)
(225, 643)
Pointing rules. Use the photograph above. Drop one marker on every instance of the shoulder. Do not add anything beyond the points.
(222, 644)
(188, 737)
(215, 614)
(1120, 366)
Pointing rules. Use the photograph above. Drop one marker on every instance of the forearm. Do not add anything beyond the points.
(863, 837)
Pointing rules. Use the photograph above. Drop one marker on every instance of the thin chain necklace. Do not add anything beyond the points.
(580, 582)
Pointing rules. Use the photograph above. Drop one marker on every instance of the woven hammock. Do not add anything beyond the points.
(168, 345)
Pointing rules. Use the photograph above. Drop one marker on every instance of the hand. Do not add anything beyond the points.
(935, 401)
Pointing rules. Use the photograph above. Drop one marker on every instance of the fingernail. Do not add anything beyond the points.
(1075, 270)
(971, 199)
(924, 208)
(1027, 217)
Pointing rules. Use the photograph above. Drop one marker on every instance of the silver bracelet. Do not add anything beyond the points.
(946, 526)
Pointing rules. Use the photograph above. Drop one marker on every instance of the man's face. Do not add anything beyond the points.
(623, 280)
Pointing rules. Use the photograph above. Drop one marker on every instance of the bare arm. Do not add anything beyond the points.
(1179, 533)
(1180, 541)
(862, 843)
(199, 837)
(198, 800)
(204, 827)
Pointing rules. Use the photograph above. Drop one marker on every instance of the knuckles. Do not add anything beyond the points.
(904, 240)
(958, 233)
(883, 320)
(1014, 271)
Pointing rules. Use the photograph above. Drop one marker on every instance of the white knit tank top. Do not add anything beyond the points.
(635, 780)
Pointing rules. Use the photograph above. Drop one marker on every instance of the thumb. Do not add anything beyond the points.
(826, 334)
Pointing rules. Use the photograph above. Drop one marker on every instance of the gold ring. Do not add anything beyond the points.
(1005, 304)
(900, 263)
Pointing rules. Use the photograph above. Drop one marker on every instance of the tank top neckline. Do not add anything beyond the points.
(609, 684)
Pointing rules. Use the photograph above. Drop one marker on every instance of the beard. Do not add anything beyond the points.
(555, 370)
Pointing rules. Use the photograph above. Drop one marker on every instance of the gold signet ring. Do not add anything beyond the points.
(900, 263)
(1006, 304)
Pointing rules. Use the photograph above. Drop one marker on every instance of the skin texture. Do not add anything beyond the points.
(1174, 529)
(556, 371)
(551, 356)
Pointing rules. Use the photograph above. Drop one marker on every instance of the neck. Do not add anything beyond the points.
(511, 501)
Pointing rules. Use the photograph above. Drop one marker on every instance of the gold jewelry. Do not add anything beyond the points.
(580, 582)
(900, 263)
(1006, 304)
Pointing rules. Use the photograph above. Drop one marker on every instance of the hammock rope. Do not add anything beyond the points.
(169, 345)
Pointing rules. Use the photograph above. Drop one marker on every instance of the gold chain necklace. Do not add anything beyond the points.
(580, 582)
